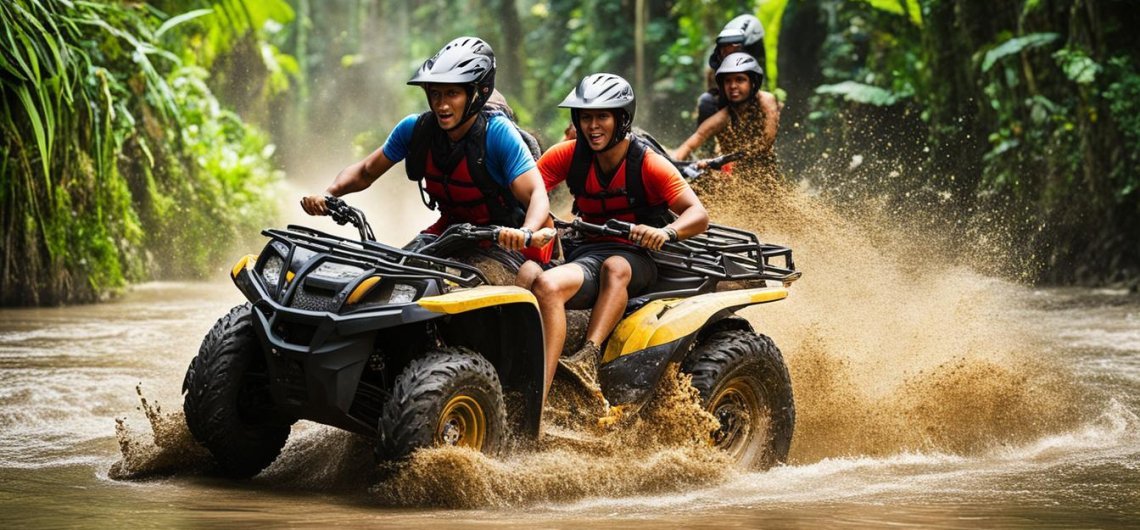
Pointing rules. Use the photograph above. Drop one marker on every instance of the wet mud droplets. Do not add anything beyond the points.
(167, 449)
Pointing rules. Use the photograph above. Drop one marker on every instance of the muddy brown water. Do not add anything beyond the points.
(926, 395)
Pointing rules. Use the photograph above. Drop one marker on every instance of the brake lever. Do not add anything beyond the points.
(336, 208)
(343, 214)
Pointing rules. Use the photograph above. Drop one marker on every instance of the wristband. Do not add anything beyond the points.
(672, 233)
(527, 235)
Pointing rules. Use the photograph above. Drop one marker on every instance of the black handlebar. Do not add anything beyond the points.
(616, 228)
(343, 214)
(690, 171)
(472, 232)
(457, 237)
(721, 161)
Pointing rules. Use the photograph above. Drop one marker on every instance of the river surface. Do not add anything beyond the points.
(67, 374)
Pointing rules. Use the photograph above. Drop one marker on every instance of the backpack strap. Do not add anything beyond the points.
(579, 167)
(501, 203)
(634, 187)
(415, 164)
(650, 214)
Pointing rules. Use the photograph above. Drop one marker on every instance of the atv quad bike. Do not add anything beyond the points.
(415, 350)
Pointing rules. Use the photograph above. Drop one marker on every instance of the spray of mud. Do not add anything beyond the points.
(890, 346)
(167, 449)
(316, 458)
(664, 448)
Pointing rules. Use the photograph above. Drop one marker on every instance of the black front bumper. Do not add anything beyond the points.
(316, 359)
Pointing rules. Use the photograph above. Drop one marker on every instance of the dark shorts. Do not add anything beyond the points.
(590, 256)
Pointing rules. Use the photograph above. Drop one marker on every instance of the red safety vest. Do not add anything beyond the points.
(623, 199)
(467, 193)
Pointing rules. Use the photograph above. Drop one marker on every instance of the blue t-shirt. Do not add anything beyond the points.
(507, 154)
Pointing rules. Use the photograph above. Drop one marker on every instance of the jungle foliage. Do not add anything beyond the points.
(1008, 120)
(1014, 115)
(118, 162)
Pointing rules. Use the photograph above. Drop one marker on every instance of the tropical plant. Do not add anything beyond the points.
(105, 176)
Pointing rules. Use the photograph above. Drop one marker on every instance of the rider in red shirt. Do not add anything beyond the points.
(611, 175)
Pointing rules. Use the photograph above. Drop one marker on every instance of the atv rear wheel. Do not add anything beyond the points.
(228, 407)
(744, 383)
(446, 397)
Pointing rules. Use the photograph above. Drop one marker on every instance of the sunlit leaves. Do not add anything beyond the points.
(771, 15)
(1078, 66)
(175, 21)
(860, 93)
(910, 8)
(1015, 45)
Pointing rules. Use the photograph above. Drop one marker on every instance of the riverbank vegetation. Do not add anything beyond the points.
(139, 136)
(118, 162)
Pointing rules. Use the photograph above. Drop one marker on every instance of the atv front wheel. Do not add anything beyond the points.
(446, 397)
(744, 383)
(228, 407)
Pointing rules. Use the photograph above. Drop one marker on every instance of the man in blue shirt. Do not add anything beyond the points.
(471, 161)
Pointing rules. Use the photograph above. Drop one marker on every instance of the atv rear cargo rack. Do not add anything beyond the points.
(382, 258)
(730, 254)
(722, 253)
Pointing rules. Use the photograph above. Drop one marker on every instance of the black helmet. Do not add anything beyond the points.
(737, 63)
(604, 92)
(744, 30)
(464, 61)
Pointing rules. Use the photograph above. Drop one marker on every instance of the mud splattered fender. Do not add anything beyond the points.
(662, 331)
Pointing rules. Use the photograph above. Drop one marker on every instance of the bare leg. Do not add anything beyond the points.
(553, 288)
(527, 274)
(612, 297)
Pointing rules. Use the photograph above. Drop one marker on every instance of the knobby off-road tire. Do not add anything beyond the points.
(228, 407)
(744, 382)
(446, 397)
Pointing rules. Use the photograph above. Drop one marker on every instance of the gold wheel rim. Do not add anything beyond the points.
(462, 423)
(735, 406)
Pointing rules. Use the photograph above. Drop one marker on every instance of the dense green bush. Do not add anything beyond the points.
(118, 162)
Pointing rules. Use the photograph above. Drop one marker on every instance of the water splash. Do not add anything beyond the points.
(167, 449)
(664, 448)
(893, 346)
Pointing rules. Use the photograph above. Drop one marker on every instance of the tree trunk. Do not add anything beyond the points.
(510, 51)
(640, 88)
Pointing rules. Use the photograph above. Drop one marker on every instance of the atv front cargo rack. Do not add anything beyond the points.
(383, 258)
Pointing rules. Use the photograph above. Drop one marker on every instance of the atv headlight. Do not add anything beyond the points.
(386, 293)
(337, 271)
(271, 270)
(402, 293)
